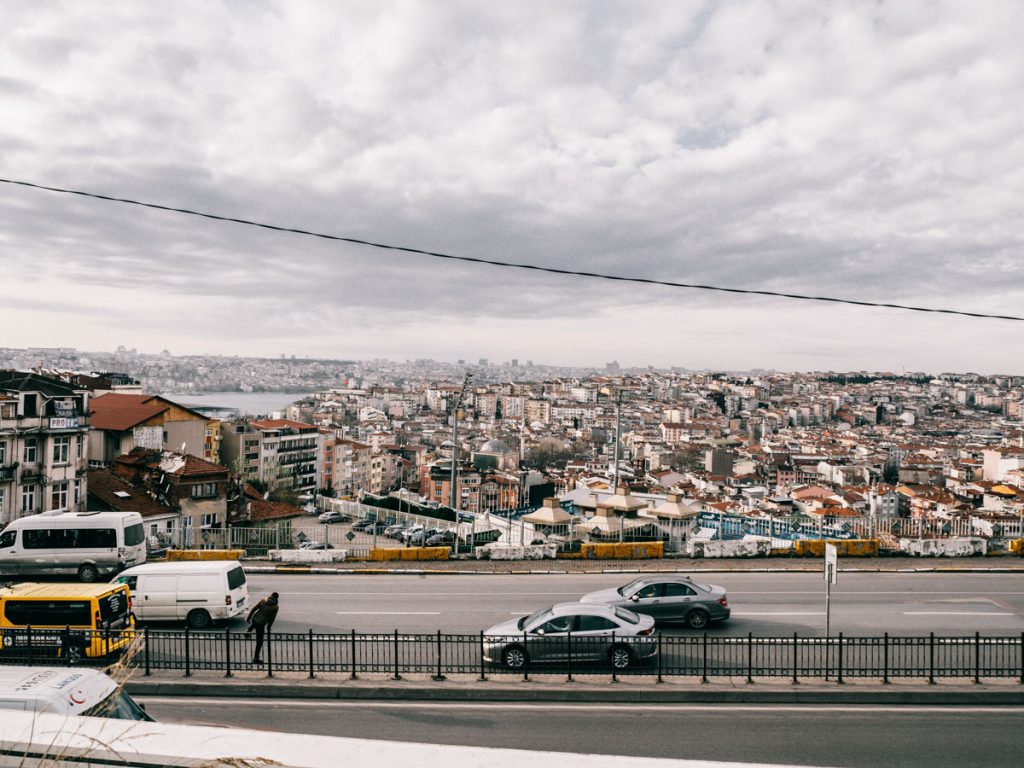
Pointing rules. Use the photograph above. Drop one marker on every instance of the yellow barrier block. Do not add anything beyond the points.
(1017, 547)
(844, 547)
(204, 554)
(646, 550)
(380, 555)
(410, 553)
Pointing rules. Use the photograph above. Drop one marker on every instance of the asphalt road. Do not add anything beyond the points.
(819, 735)
(765, 604)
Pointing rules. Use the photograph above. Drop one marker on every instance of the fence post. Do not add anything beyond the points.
(839, 679)
(615, 677)
(568, 639)
(1022, 658)
(483, 672)
(977, 658)
(311, 673)
(145, 642)
(526, 660)
(188, 667)
(439, 676)
(227, 651)
(66, 644)
(704, 660)
(28, 643)
(931, 658)
(660, 680)
(796, 659)
(353, 675)
(397, 676)
(750, 658)
(885, 659)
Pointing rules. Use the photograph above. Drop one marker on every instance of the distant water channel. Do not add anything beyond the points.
(227, 404)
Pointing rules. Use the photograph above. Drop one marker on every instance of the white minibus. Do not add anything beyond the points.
(195, 591)
(84, 543)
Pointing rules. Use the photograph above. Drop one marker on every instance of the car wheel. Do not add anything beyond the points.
(620, 657)
(88, 573)
(198, 619)
(514, 657)
(697, 619)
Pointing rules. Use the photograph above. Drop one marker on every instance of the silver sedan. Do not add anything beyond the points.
(668, 599)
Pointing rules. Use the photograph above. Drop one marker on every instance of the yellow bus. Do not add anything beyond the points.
(69, 621)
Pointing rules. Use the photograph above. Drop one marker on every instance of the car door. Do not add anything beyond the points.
(647, 600)
(593, 637)
(159, 593)
(677, 602)
(549, 641)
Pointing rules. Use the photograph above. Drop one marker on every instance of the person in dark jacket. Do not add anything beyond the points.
(261, 618)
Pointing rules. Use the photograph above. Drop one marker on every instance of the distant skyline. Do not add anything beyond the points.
(861, 151)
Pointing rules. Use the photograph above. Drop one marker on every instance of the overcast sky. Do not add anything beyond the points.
(871, 151)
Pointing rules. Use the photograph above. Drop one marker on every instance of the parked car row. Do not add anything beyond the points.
(612, 625)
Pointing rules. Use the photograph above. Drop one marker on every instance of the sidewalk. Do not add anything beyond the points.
(589, 689)
(1010, 564)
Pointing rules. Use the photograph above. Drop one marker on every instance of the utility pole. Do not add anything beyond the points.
(618, 436)
(455, 438)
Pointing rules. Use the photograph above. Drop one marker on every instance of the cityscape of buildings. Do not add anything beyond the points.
(945, 450)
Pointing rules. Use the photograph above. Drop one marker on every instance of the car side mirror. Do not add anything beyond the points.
(538, 631)
(635, 598)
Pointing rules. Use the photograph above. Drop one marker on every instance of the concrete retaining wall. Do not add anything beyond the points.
(647, 550)
(960, 547)
(308, 555)
(512, 552)
(737, 548)
(845, 547)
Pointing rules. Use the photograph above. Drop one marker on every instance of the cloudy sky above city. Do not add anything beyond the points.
(868, 151)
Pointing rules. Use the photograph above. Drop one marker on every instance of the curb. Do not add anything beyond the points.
(569, 693)
(291, 569)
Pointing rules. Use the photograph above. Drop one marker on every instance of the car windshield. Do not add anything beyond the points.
(118, 706)
(541, 615)
(633, 586)
(628, 616)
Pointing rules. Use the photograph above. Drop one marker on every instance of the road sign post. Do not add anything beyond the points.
(831, 571)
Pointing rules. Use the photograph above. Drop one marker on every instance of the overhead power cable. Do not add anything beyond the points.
(510, 264)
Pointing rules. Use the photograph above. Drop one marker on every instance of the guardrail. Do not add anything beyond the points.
(925, 658)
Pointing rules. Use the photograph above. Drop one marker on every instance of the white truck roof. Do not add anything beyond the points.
(59, 690)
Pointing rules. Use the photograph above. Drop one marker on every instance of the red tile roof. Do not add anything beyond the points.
(119, 412)
(104, 485)
(280, 424)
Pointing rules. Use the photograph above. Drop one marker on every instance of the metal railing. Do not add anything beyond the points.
(794, 658)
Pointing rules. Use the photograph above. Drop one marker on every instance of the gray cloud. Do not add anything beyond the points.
(870, 152)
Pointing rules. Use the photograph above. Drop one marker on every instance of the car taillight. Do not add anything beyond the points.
(647, 631)
(724, 602)
(227, 599)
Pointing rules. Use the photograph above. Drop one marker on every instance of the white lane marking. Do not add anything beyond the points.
(778, 613)
(612, 708)
(388, 612)
(955, 613)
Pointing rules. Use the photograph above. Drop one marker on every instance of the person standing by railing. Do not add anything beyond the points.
(261, 619)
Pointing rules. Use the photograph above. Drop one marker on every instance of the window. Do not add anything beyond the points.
(209, 520)
(678, 590)
(8, 539)
(70, 538)
(236, 577)
(79, 446)
(204, 490)
(61, 449)
(561, 624)
(59, 495)
(596, 624)
(649, 591)
(3, 452)
(54, 613)
(134, 535)
(28, 499)
(30, 450)
(3, 498)
(77, 496)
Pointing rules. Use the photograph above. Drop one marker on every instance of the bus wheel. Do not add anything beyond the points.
(88, 573)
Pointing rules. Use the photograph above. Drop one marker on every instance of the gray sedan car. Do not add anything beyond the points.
(572, 632)
(668, 599)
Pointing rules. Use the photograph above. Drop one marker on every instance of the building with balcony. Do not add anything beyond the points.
(278, 453)
(44, 425)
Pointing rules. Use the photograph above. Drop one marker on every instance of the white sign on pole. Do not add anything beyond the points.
(831, 563)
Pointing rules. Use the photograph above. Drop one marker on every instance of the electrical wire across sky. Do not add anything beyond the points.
(507, 264)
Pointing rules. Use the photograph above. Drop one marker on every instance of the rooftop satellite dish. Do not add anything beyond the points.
(266, 495)
(182, 448)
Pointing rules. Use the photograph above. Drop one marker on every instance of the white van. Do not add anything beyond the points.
(197, 592)
(83, 543)
(65, 691)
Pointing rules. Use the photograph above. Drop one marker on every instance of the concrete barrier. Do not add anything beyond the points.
(958, 547)
(1017, 547)
(729, 548)
(642, 550)
(204, 554)
(308, 555)
(495, 551)
(844, 547)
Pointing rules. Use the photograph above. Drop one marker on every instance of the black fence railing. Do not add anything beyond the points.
(886, 658)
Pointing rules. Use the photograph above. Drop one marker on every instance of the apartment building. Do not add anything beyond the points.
(44, 424)
(120, 422)
(353, 467)
(279, 453)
